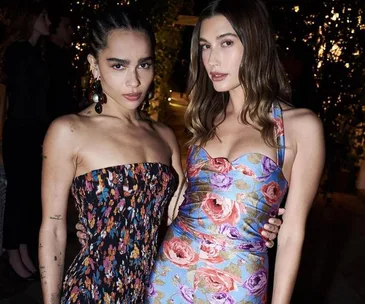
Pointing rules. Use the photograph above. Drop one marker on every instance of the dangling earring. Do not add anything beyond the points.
(97, 96)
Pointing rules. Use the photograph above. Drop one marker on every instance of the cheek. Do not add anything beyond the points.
(146, 78)
(234, 63)
(205, 58)
(111, 82)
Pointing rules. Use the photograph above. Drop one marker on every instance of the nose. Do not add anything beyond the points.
(213, 59)
(132, 79)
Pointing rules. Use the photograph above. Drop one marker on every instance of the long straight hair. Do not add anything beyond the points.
(260, 74)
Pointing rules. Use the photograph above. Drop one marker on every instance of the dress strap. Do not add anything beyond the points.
(279, 132)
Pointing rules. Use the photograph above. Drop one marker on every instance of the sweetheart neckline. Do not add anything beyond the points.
(237, 158)
(241, 156)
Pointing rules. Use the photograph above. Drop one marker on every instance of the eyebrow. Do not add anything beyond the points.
(220, 36)
(127, 62)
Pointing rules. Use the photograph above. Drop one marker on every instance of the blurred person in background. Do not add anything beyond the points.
(25, 75)
(61, 99)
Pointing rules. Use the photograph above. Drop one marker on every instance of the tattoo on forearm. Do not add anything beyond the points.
(44, 156)
(40, 245)
(57, 217)
(55, 298)
(42, 270)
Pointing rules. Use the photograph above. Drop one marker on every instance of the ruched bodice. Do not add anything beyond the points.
(122, 208)
(232, 199)
(214, 251)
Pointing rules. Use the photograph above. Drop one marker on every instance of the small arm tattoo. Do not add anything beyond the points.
(42, 270)
(55, 298)
(57, 217)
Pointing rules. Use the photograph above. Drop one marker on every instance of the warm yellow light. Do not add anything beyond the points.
(296, 8)
(336, 50)
(335, 16)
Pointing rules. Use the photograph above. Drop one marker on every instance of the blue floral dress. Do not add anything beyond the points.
(213, 251)
(122, 208)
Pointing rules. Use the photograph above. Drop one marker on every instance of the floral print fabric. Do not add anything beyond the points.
(122, 208)
(213, 251)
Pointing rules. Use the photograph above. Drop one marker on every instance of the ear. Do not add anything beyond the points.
(94, 67)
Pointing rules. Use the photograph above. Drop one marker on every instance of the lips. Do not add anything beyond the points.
(218, 76)
(133, 96)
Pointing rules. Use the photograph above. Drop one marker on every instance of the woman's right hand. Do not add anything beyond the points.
(81, 234)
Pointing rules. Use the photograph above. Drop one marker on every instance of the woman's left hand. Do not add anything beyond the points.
(271, 229)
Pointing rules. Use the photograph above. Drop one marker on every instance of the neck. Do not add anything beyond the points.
(57, 41)
(236, 100)
(34, 38)
(112, 108)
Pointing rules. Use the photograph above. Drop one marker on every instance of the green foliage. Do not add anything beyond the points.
(168, 42)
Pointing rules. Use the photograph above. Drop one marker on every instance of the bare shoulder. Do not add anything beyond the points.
(65, 129)
(67, 124)
(165, 132)
(302, 122)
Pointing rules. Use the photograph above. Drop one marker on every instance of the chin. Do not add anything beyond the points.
(221, 88)
(131, 105)
(225, 87)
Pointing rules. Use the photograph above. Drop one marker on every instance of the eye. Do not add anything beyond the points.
(145, 65)
(227, 43)
(205, 46)
(118, 66)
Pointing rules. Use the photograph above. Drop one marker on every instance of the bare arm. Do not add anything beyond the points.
(306, 173)
(57, 174)
(176, 201)
(178, 196)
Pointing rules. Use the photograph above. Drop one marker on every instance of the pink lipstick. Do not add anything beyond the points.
(218, 76)
(133, 96)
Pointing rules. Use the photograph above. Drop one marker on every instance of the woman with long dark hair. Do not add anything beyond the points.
(248, 144)
(25, 74)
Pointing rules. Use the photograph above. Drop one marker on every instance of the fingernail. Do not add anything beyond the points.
(271, 221)
(266, 226)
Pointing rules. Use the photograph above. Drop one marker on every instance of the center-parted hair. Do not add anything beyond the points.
(261, 73)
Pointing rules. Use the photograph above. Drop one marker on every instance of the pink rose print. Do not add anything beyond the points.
(180, 253)
(245, 170)
(279, 126)
(220, 210)
(218, 280)
(220, 164)
(210, 250)
(193, 170)
(272, 192)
